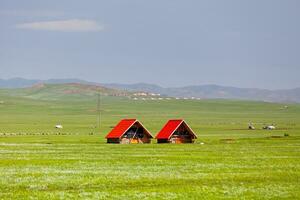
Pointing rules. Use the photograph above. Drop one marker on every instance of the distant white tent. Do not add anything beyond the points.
(58, 126)
(251, 127)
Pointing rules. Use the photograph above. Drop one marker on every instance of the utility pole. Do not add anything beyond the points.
(98, 111)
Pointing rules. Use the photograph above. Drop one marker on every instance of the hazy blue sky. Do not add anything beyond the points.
(244, 43)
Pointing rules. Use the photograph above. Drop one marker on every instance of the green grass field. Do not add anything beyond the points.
(38, 161)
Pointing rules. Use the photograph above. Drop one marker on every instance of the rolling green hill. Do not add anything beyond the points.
(62, 91)
(39, 108)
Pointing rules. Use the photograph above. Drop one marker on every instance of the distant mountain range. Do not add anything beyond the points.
(198, 91)
(217, 92)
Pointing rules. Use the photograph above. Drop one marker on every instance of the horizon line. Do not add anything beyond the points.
(136, 83)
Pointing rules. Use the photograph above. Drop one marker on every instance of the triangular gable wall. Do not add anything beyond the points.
(141, 125)
(186, 126)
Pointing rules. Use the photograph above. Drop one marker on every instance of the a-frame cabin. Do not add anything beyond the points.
(129, 131)
(176, 131)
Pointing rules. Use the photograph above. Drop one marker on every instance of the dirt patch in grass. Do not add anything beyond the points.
(275, 136)
(228, 140)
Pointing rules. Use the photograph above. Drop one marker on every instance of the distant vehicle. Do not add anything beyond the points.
(58, 126)
(270, 127)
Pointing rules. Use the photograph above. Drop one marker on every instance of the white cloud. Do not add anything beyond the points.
(73, 25)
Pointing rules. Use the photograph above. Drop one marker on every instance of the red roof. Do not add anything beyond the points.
(122, 127)
(170, 127)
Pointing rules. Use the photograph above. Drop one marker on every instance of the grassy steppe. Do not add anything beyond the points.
(40, 162)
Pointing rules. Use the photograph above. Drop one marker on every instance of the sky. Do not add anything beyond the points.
(172, 43)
